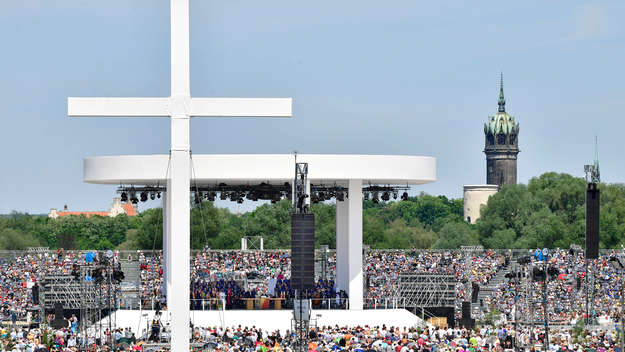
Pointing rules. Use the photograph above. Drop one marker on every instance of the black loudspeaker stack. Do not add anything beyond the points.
(35, 292)
(474, 292)
(466, 320)
(302, 251)
(592, 221)
(466, 310)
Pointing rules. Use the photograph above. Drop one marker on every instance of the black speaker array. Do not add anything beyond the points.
(592, 221)
(466, 310)
(302, 251)
(475, 292)
(59, 321)
(35, 292)
(466, 320)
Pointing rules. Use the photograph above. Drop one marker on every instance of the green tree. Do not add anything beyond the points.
(454, 235)
(11, 239)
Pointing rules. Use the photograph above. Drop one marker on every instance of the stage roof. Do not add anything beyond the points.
(209, 169)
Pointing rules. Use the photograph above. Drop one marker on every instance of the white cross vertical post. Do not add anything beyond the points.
(179, 107)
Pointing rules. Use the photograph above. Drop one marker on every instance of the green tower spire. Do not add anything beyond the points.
(502, 100)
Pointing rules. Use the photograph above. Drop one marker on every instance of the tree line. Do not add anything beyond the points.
(547, 212)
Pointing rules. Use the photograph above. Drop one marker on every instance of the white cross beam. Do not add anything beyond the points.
(180, 106)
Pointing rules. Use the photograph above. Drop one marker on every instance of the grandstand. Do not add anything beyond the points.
(402, 288)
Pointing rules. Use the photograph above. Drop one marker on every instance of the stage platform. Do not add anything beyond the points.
(270, 320)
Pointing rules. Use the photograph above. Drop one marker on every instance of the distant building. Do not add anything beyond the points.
(501, 146)
(116, 208)
(475, 197)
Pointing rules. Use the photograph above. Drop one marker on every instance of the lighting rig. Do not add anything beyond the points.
(236, 193)
(322, 193)
(375, 193)
(133, 194)
(262, 191)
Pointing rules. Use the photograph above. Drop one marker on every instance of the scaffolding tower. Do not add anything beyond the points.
(428, 290)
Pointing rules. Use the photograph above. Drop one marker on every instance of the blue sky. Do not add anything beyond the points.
(379, 77)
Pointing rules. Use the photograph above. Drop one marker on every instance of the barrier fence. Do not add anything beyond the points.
(261, 303)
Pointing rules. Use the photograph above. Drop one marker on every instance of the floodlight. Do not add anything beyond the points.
(133, 197)
(340, 196)
(376, 200)
(386, 196)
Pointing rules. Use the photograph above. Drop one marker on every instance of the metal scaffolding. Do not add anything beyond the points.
(427, 290)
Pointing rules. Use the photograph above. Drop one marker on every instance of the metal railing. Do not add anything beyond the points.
(258, 303)
(384, 303)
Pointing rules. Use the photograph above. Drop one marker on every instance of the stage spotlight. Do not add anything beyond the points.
(152, 195)
(315, 198)
(144, 196)
(211, 196)
(376, 200)
(395, 194)
(404, 196)
(198, 198)
(223, 195)
(158, 195)
(386, 196)
(240, 201)
(124, 197)
(133, 197)
(366, 196)
(340, 196)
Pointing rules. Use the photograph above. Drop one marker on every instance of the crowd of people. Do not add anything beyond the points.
(521, 296)
(407, 339)
(383, 270)
(19, 274)
(251, 274)
(233, 276)
(377, 338)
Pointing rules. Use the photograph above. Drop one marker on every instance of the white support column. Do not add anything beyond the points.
(166, 241)
(342, 281)
(179, 222)
(354, 241)
(178, 275)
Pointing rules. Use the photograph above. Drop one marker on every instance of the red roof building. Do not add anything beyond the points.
(117, 208)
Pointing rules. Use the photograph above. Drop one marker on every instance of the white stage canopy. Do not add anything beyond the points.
(269, 168)
(350, 171)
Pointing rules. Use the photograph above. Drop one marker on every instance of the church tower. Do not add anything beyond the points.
(501, 145)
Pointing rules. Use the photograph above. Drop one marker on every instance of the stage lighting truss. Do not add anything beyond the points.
(134, 194)
(236, 193)
(262, 191)
(377, 193)
(320, 193)
(239, 193)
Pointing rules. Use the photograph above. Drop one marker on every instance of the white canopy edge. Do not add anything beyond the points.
(269, 168)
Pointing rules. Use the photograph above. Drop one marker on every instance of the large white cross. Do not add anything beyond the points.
(179, 107)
